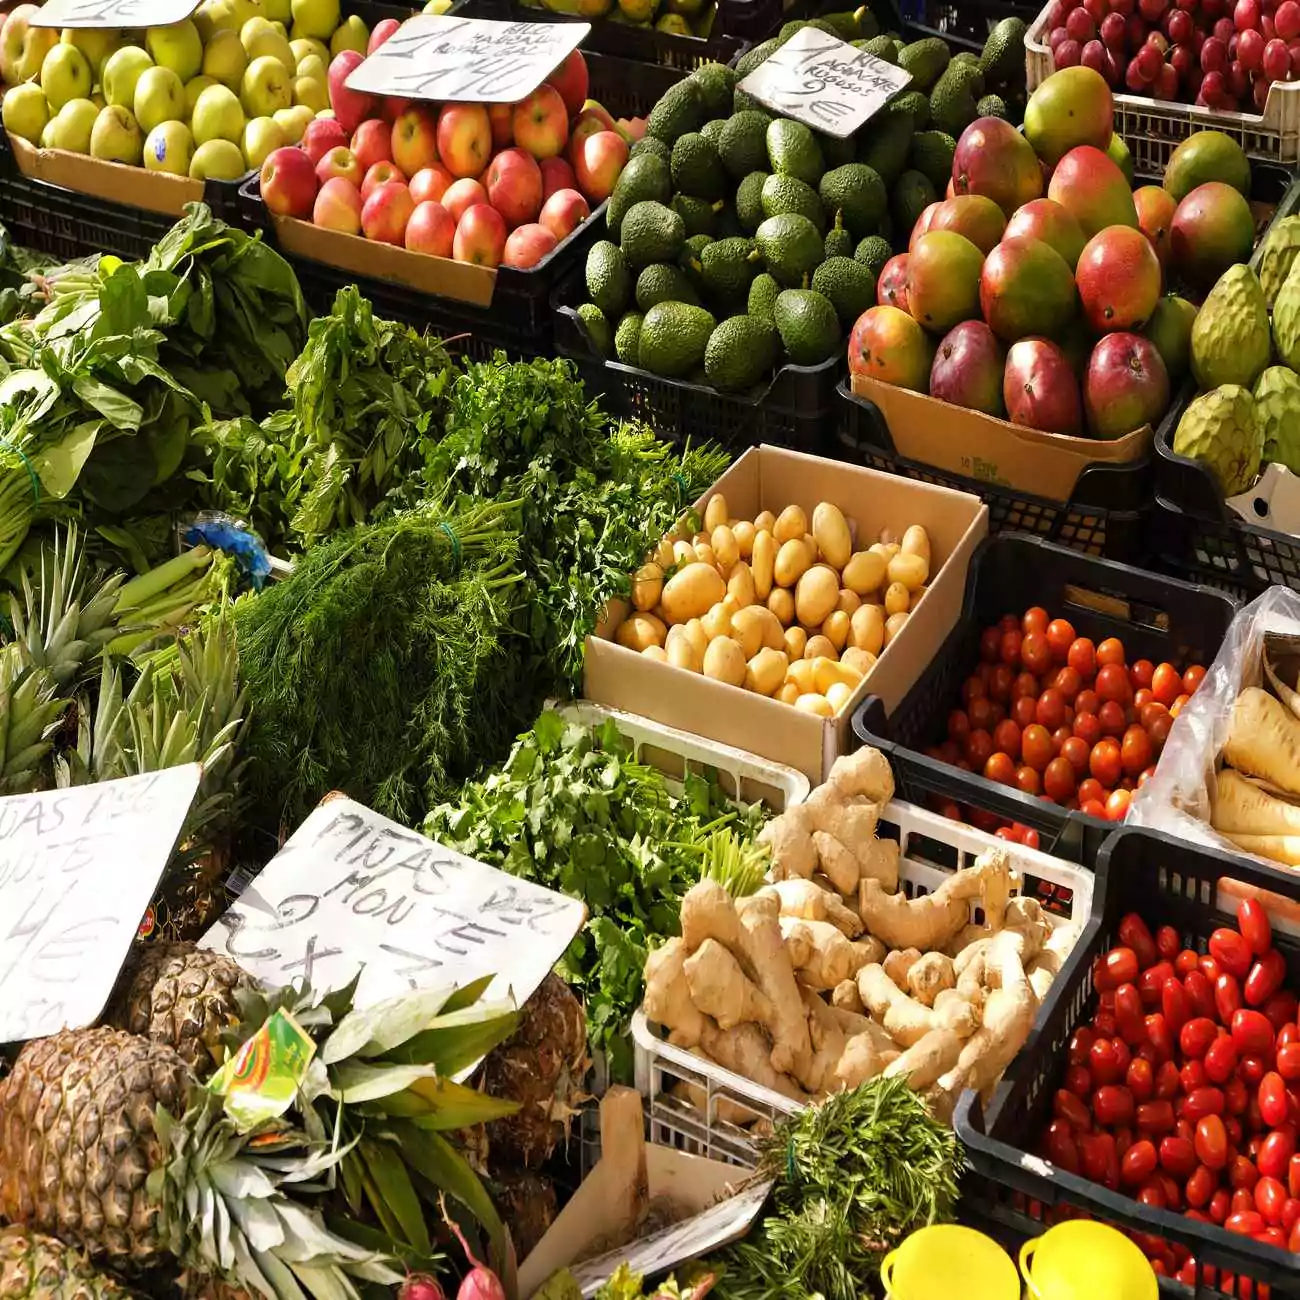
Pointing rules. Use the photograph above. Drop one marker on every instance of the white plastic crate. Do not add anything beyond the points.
(1154, 128)
(729, 1111)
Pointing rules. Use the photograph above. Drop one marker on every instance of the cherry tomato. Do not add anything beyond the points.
(1069, 683)
(1128, 1015)
(1251, 1069)
(1141, 698)
(1135, 750)
(1104, 762)
(1281, 1010)
(1247, 1223)
(1275, 1153)
(1087, 727)
(1024, 684)
(1265, 978)
(1051, 708)
(1027, 782)
(1112, 719)
(1023, 710)
(1255, 927)
(1140, 673)
(1095, 1150)
(1177, 1156)
(1209, 967)
(999, 767)
(1000, 680)
(1110, 651)
(980, 713)
(1075, 752)
(1200, 1187)
(1200, 993)
(1273, 1101)
(1140, 1079)
(1148, 713)
(979, 748)
(1086, 701)
(1154, 1118)
(1270, 1195)
(1006, 737)
(1237, 1096)
(1058, 780)
(1061, 735)
(1166, 684)
(1066, 1106)
(1151, 984)
(990, 641)
(1036, 746)
(1035, 619)
(1121, 967)
(1035, 652)
(1117, 805)
(1009, 647)
(1153, 1194)
(1112, 684)
(1139, 1163)
(1136, 934)
(1159, 731)
(1220, 1058)
(1196, 1036)
(1242, 1175)
(1167, 1081)
(1288, 1061)
(1211, 1141)
(1177, 706)
(1251, 1032)
(1192, 678)
(1082, 657)
(1206, 1100)
(1105, 1063)
(1173, 1002)
(1227, 997)
(1191, 1077)
(1231, 951)
(1060, 1147)
(1060, 635)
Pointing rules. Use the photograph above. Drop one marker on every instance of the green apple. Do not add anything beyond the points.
(224, 59)
(217, 116)
(280, 27)
(268, 43)
(218, 159)
(169, 147)
(26, 111)
(312, 93)
(317, 18)
(116, 136)
(122, 70)
(437, 6)
(65, 75)
(96, 43)
(177, 47)
(352, 34)
(304, 46)
(72, 125)
(47, 135)
(278, 10)
(211, 17)
(312, 67)
(293, 122)
(159, 97)
(194, 87)
(266, 87)
(263, 135)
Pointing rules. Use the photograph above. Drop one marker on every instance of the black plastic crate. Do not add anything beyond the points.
(970, 21)
(1106, 514)
(756, 20)
(1157, 618)
(1167, 882)
(626, 87)
(794, 410)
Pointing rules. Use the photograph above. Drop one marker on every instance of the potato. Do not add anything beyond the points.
(826, 672)
(724, 662)
(787, 693)
(849, 601)
(791, 524)
(657, 653)
(639, 630)
(792, 562)
(910, 570)
(894, 625)
(838, 695)
(810, 545)
(780, 601)
(699, 638)
(704, 553)
(725, 546)
(682, 651)
(647, 585)
(867, 628)
(817, 704)
(717, 620)
(766, 671)
(860, 661)
(832, 534)
(864, 572)
(715, 512)
(762, 563)
(747, 630)
(661, 614)
(815, 595)
(800, 673)
(740, 584)
(897, 598)
(887, 550)
(691, 592)
(820, 647)
(916, 541)
(765, 522)
(795, 641)
(663, 555)
(683, 554)
(836, 629)
(744, 533)
(773, 632)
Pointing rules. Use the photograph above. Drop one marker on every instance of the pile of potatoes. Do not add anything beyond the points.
(776, 605)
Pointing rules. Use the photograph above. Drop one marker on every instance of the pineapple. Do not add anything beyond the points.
(36, 1267)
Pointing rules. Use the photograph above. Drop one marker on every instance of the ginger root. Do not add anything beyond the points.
(927, 1059)
(839, 863)
(790, 839)
(899, 962)
(905, 1019)
(859, 1061)
(879, 862)
(930, 976)
(764, 951)
(807, 901)
(721, 989)
(845, 997)
(864, 773)
(822, 956)
(744, 1051)
(668, 996)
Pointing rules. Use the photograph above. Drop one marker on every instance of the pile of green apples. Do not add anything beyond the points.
(209, 97)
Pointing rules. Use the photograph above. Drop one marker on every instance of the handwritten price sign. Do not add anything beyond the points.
(77, 870)
(353, 891)
(112, 13)
(437, 56)
(820, 81)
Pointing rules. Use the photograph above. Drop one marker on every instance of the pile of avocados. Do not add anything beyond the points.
(740, 240)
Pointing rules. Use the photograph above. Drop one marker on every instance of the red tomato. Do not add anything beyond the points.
(1167, 1081)
(1105, 1062)
(1275, 1153)
(1070, 684)
(999, 767)
(1136, 934)
(1061, 735)
(1036, 745)
(1135, 750)
(1117, 805)
(1058, 780)
(1168, 942)
(1211, 1140)
(980, 712)
(1140, 673)
(1141, 698)
(1092, 808)
(1173, 1002)
(1000, 680)
(1248, 1223)
(1035, 619)
(1121, 965)
(1027, 782)
(1273, 1101)
(1196, 1036)
(1200, 1187)
(1255, 927)
(1251, 1069)
(1192, 678)
(1087, 701)
(1104, 762)
(1242, 1175)
(1128, 1015)
(1024, 684)
(1140, 1079)
(1112, 684)
(1227, 997)
(1177, 1156)
(1166, 684)
(1075, 752)
(1154, 1118)
(1139, 1163)
(1009, 648)
(1087, 727)
(1035, 652)
(1200, 993)
(1201, 1102)
(1151, 984)
(1288, 1061)
(1265, 978)
(1148, 713)
(1270, 1195)
(973, 688)
(1112, 719)
(1095, 1152)
(1006, 738)
(1237, 1096)
(1066, 1106)
(979, 748)
(958, 725)
(1082, 657)
(1177, 706)
(990, 641)
(1159, 731)
(1110, 651)
(1060, 1147)
(1191, 1077)
(1060, 635)
(1281, 1010)
(1231, 951)
(1051, 708)
(1220, 1058)
(1023, 710)
(1153, 1194)
(1251, 1032)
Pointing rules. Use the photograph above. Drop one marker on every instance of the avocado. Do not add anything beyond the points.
(674, 336)
(791, 247)
(729, 265)
(1003, 59)
(680, 110)
(696, 168)
(967, 59)
(879, 47)
(847, 285)
(836, 151)
(712, 130)
(838, 243)
(925, 59)
(749, 202)
(885, 146)
(597, 327)
(609, 283)
(699, 216)
(911, 196)
(627, 338)
(785, 194)
(793, 149)
(852, 24)
(873, 252)
(857, 192)
(808, 326)
(993, 106)
(746, 103)
(663, 282)
(759, 54)
(952, 101)
(743, 143)
(915, 103)
(728, 223)
(651, 232)
(763, 294)
(932, 153)
(716, 81)
(649, 144)
(645, 177)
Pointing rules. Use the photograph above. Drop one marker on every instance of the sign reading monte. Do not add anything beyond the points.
(112, 13)
(77, 870)
(824, 83)
(353, 891)
(475, 60)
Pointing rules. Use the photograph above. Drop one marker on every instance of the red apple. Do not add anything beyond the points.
(480, 236)
(372, 143)
(429, 184)
(431, 230)
(501, 117)
(527, 246)
(541, 122)
(382, 173)
(391, 107)
(514, 186)
(570, 79)
(383, 29)
(587, 123)
(322, 135)
(594, 108)
(386, 211)
(288, 182)
(556, 175)
(462, 195)
(464, 138)
(340, 161)
(563, 213)
(351, 107)
(413, 141)
(599, 163)
(338, 206)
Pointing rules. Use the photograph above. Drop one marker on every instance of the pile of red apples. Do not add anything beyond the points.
(491, 184)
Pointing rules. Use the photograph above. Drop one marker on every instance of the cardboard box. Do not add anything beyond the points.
(981, 446)
(771, 478)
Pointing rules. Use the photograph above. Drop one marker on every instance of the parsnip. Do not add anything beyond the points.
(1264, 740)
(1240, 807)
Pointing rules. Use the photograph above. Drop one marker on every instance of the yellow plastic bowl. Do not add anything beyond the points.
(1081, 1260)
(946, 1260)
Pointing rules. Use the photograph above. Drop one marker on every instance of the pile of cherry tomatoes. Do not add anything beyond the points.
(1051, 714)
(1184, 1090)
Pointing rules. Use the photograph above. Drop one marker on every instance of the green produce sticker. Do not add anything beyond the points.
(261, 1080)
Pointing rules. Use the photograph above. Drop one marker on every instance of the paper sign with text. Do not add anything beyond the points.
(77, 870)
(826, 84)
(351, 890)
(475, 60)
(112, 13)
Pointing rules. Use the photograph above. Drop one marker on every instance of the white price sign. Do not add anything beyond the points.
(112, 13)
(352, 891)
(474, 60)
(824, 83)
(77, 870)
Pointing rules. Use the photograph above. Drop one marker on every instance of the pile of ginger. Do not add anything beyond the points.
(830, 975)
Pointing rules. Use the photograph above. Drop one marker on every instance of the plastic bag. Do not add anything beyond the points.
(1176, 799)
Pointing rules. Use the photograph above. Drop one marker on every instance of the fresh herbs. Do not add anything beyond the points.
(573, 809)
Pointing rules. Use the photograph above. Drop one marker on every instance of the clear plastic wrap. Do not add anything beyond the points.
(1177, 798)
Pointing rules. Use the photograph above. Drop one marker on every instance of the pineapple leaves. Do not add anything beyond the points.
(391, 1181)
(459, 1039)
(468, 994)
(381, 1244)
(441, 1104)
(356, 1083)
(375, 1030)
